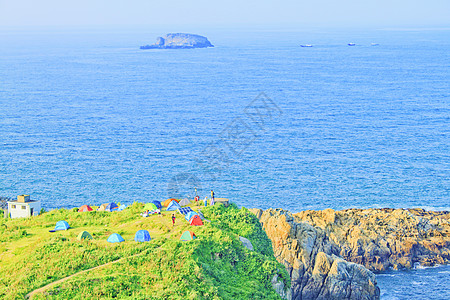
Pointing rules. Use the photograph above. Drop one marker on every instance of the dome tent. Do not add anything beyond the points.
(150, 206)
(61, 225)
(142, 236)
(85, 208)
(84, 235)
(189, 215)
(111, 206)
(184, 202)
(173, 205)
(188, 236)
(157, 203)
(196, 221)
(167, 202)
(115, 238)
(102, 207)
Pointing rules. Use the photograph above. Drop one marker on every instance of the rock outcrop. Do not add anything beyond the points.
(179, 41)
(331, 254)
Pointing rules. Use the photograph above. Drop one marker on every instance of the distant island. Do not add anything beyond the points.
(179, 41)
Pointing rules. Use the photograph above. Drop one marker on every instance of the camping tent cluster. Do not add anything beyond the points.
(104, 207)
(140, 236)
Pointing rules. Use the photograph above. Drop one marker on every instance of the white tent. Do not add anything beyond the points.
(184, 202)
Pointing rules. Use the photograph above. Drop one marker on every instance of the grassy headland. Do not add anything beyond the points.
(214, 266)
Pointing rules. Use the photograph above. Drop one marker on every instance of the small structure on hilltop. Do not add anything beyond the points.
(23, 207)
(224, 201)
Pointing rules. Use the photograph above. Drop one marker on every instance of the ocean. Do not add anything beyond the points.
(86, 117)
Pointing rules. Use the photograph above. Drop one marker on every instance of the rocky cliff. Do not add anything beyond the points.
(333, 254)
(179, 41)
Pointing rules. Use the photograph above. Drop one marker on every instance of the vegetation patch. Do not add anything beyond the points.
(214, 266)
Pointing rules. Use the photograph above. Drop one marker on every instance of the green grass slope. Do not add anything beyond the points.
(214, 266)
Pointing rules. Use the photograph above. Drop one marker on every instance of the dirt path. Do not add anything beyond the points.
(50, 285)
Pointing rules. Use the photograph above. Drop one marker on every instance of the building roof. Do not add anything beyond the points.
(30, 201)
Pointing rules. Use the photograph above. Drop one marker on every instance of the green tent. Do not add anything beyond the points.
(187, 236)
(84, 236)
(150, 206)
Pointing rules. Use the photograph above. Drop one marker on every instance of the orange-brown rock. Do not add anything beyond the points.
(331, 254)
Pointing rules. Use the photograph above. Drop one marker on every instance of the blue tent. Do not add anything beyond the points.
(111, 206)
(62, 225)
(115, 238)
(142, 236)
(121, 207)
(189, 215)
(173, 205)
(157, 203)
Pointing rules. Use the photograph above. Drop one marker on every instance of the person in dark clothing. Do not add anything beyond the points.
(173, 220)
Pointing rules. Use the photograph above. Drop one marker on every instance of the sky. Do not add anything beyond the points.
(330, 13)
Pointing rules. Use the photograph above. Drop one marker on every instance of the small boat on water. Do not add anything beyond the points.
(374, 44)
(351, 44)
(306, 45)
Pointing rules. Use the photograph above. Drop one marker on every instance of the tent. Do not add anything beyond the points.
(185, 210)
(84, 235)
(196, 221)
(173, 205)
(85, 208)
(167, 202)
(111, 206)
(189, 215)
(115, 238)
(121, 207)
(184, 202)
(157, 203)
(142, 236)
(150, 206)
(187, 236)
(102, 207)
(62, 225)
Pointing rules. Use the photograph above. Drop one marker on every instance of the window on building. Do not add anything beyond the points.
(13, 206)
(24, 207)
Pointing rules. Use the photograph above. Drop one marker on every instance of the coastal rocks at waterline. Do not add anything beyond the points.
(180, 41)
(316, 270)
(333, 254)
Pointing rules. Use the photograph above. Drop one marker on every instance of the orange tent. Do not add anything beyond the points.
(196, 221)
(85, 208)
(166, 203)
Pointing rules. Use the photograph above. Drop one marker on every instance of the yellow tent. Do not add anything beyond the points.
(102, 207)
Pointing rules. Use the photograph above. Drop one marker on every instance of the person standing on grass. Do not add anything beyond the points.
(173, 219)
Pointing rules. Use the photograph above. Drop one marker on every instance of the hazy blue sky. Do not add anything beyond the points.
(226, 12)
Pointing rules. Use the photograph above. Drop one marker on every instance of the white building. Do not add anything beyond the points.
(23, 207)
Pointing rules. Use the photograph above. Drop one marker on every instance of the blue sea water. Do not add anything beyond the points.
(87, 117)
